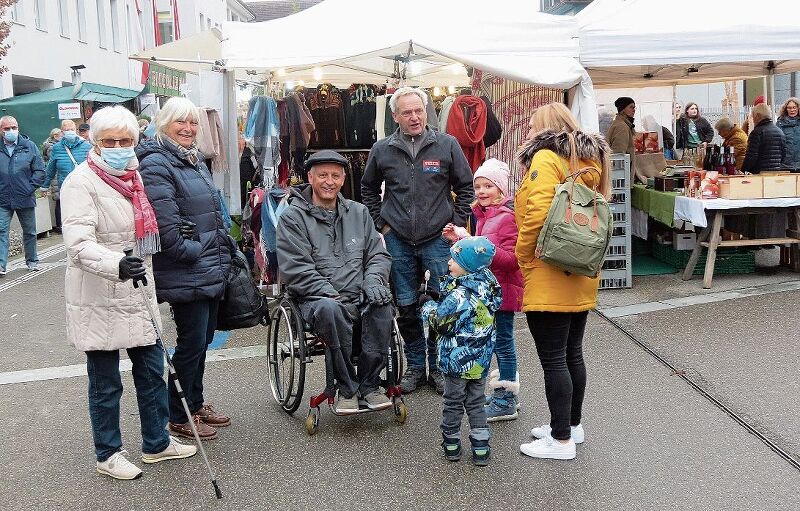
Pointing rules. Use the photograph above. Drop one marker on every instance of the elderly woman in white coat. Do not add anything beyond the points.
(106, 212)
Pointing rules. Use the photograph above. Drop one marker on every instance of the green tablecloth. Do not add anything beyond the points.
(659, 206)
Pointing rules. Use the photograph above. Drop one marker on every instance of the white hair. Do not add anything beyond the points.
(175, 109)
(113, 118)
(405, 91)
(8, 118)
(67, 121)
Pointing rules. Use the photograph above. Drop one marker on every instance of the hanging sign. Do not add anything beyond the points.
(69, 111)
(163, 81)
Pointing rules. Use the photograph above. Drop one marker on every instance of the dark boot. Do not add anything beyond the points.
(451, 448)
(481, 452)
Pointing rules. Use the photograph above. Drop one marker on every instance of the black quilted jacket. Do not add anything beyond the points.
(766, 148)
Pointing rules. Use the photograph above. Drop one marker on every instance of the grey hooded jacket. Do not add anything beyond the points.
(316, 258)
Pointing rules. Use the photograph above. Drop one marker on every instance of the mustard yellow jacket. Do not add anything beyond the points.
(547, 288)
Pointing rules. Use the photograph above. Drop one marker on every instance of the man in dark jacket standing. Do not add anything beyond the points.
(21, 173)
(421, 170)
(766, 146)
(621, 133)
(335, 266)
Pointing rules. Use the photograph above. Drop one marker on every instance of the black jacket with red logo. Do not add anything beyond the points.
(418, 198)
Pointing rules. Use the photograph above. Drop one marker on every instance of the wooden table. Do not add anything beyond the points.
(716, 209)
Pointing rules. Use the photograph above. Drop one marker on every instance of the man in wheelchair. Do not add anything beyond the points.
(335, 266)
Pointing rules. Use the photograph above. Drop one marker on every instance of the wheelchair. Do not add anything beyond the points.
(291, 346)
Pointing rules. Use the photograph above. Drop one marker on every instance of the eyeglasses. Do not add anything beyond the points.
(108, 143)
(9, 128)
(408, 113)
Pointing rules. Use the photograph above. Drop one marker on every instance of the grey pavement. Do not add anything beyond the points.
(652, 441)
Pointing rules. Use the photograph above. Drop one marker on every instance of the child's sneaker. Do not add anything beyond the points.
(451, 448)
(481, 452)
(502, 407)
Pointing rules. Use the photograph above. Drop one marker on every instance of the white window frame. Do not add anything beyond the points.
(63, 18)
(18, 13)
(115, 39)
(80, 9)
(101, 23)
(40, 14)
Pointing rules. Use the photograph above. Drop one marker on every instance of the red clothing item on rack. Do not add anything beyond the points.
(467, 122)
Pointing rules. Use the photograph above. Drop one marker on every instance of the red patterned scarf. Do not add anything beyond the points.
(129, 184)
(467, 122)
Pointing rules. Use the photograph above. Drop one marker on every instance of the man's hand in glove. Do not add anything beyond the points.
(377, 293)
(132, 267)
(188, 230)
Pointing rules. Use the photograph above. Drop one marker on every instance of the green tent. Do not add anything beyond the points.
(37, 112)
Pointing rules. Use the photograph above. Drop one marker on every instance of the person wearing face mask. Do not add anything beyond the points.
(65, 156)
(195, 257)
(428, 184)
(106, 213)
(21, 173)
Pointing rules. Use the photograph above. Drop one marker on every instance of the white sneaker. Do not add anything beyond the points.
(174, 451)
(118, 467)
(346, 404)
(544, 431)
(549, 448)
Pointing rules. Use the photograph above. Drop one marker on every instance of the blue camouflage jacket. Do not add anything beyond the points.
(464, 322)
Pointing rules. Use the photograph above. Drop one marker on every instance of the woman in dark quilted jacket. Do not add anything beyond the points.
(195, 254)
(766, 146)
(789, 122)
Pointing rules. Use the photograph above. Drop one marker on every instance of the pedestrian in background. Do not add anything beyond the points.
(21, 173)
(105, 213)
(692, 129)
(464, 320)
(733, 137)
(556, 303)
(494, 214)
(621, 134)
(191, 268)
(47, 145)
(789, 123)
(766, 145)
(83, 131)
(66, 155)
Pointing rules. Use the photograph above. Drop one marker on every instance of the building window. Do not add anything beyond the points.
(202, 21)
(17, 14)
(165, 27)
(115, 24)
(101, 23)
(39, 14)
(81, 20)
(210, 24)
(63, 17)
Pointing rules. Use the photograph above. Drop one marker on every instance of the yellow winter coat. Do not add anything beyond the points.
(547, 288)
(737, 139)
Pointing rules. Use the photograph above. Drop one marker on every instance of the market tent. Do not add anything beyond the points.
(641, 43)
(421, 42)
(37, 112)
(192, 54)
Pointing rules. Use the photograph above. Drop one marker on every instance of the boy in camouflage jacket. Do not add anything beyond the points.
(463, 319)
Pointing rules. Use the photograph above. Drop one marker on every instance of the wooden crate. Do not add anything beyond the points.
(741, 187)
(780, 185)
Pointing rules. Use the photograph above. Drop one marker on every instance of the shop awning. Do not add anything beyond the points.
(104, 93)
(642, 43)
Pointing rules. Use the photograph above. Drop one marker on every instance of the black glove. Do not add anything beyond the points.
(188, 230)
(377, 293)
(132, 267)
(423, 299)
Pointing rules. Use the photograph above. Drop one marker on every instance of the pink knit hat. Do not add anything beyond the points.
(495, 171)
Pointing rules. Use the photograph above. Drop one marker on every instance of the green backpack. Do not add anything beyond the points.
(578, 228)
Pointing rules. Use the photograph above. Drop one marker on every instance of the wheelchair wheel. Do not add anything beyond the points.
(397, 357)
(286, 356)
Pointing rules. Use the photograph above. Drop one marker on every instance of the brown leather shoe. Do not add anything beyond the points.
(204, 431)
(213, 418)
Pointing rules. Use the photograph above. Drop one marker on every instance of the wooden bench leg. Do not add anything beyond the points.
(698, 249)
(794, 218)
(712, 250)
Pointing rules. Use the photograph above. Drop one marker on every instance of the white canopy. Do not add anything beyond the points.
(418, 41)
(641, 43)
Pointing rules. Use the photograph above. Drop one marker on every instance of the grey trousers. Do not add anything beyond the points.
(460, 395)
(333, 321)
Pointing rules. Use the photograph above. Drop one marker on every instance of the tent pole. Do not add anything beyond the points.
(231, 191)
(672, 113)
(771, 89)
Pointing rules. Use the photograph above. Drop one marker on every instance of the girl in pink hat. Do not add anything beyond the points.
(494, 216)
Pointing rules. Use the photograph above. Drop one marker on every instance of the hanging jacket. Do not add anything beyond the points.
(60, 164)
(21, 174)
(263, 133)
(467, 122)
(464, 321)
(359, 107)
(497, 223)
(186, 269)
(766, 148)
(494, 130)
(546, 157)
(211, 140)
(327, 109)
(791, 131)
(320, 259)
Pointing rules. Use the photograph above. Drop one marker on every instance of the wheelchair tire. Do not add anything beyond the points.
(395, 368)
(286, 355)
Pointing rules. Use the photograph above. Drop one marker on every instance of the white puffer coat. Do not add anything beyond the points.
(103, 313)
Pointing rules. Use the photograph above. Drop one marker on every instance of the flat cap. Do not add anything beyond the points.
(326, 156)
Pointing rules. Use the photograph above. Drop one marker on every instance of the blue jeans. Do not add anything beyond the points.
(105, 390)
(27, 219)
(409, 263)
(504, 348)
(195, 322)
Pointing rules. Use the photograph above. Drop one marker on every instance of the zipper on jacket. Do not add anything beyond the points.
(411, 208)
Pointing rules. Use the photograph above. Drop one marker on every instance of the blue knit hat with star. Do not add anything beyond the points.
(473, 253)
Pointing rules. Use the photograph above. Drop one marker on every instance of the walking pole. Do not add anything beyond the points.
(160, 342)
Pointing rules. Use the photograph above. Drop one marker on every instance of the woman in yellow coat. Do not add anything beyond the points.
(555, 302)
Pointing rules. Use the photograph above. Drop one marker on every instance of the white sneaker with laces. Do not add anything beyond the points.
(174, 451)
(549, 448)
(118, 467)
(544, 431)
(346, 404)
